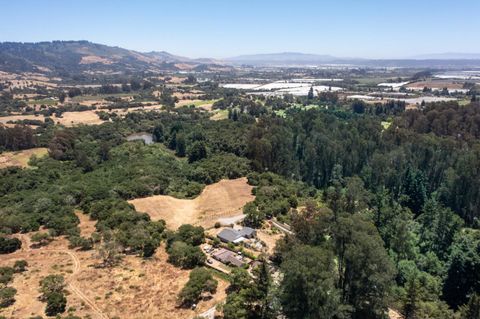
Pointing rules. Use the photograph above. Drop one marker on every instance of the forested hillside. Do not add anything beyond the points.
(389, 217)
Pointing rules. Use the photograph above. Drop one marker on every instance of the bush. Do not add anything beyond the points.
(20, 266)
(56, 303)
(9, 245)
(50, 285)
(80, 242)
(6, 275)
(52, 289)
(41, 239)
(7, 296)
(148, 249)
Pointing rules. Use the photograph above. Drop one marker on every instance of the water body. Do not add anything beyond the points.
(145, 137)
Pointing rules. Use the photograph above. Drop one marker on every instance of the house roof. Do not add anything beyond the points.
(227, 257)
(228, 234)
(232, 235)
(246, 231)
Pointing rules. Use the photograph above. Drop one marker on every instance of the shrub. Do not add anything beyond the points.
(7, 296)
(51, 284)
(56, 303)
(52, 289)
(80, 242)
(41, 239)
(20, 266)
(6, 275)
(9, 245)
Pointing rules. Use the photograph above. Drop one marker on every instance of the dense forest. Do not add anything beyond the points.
(382, 216)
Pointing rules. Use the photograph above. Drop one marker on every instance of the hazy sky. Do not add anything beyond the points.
(222, 28)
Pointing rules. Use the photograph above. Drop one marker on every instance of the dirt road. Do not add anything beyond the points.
(26, 244)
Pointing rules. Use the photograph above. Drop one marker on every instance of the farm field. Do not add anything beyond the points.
(223, 199)
(297, 87)
(20, 158)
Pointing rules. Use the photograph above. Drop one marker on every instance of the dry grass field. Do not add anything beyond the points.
(436, 84)
(87, 226)
(13, 118)
(223, 199)
(76, 118)
(68, 118)
(136, 288)
(20, 158)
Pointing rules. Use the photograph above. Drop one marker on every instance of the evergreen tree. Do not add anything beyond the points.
(158, 133)
(414, 189)
(180, 148)
(310, 95)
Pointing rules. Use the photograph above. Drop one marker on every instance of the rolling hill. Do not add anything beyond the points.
(59, 57)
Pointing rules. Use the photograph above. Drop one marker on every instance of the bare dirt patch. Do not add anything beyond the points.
(20, 158)
(223, 199)
(270, 238)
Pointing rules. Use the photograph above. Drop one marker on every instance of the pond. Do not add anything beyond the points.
(147, 138)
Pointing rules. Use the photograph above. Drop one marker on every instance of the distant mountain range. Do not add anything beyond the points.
(301, 59)
(448, 56)
(70, 57)
(283, 58)
(84, 56)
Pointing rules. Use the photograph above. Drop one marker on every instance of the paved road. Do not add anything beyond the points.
(209, 314)
(231, 220)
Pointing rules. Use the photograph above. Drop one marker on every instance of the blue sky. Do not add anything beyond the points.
(222, 28)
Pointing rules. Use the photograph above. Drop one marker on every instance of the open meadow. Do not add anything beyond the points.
(223, 199)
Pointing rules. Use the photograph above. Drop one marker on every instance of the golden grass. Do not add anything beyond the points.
(20, 158)
(223, 199)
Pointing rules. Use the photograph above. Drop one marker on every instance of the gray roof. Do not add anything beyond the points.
(228, 234)
(246, 231)
(227, 257)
